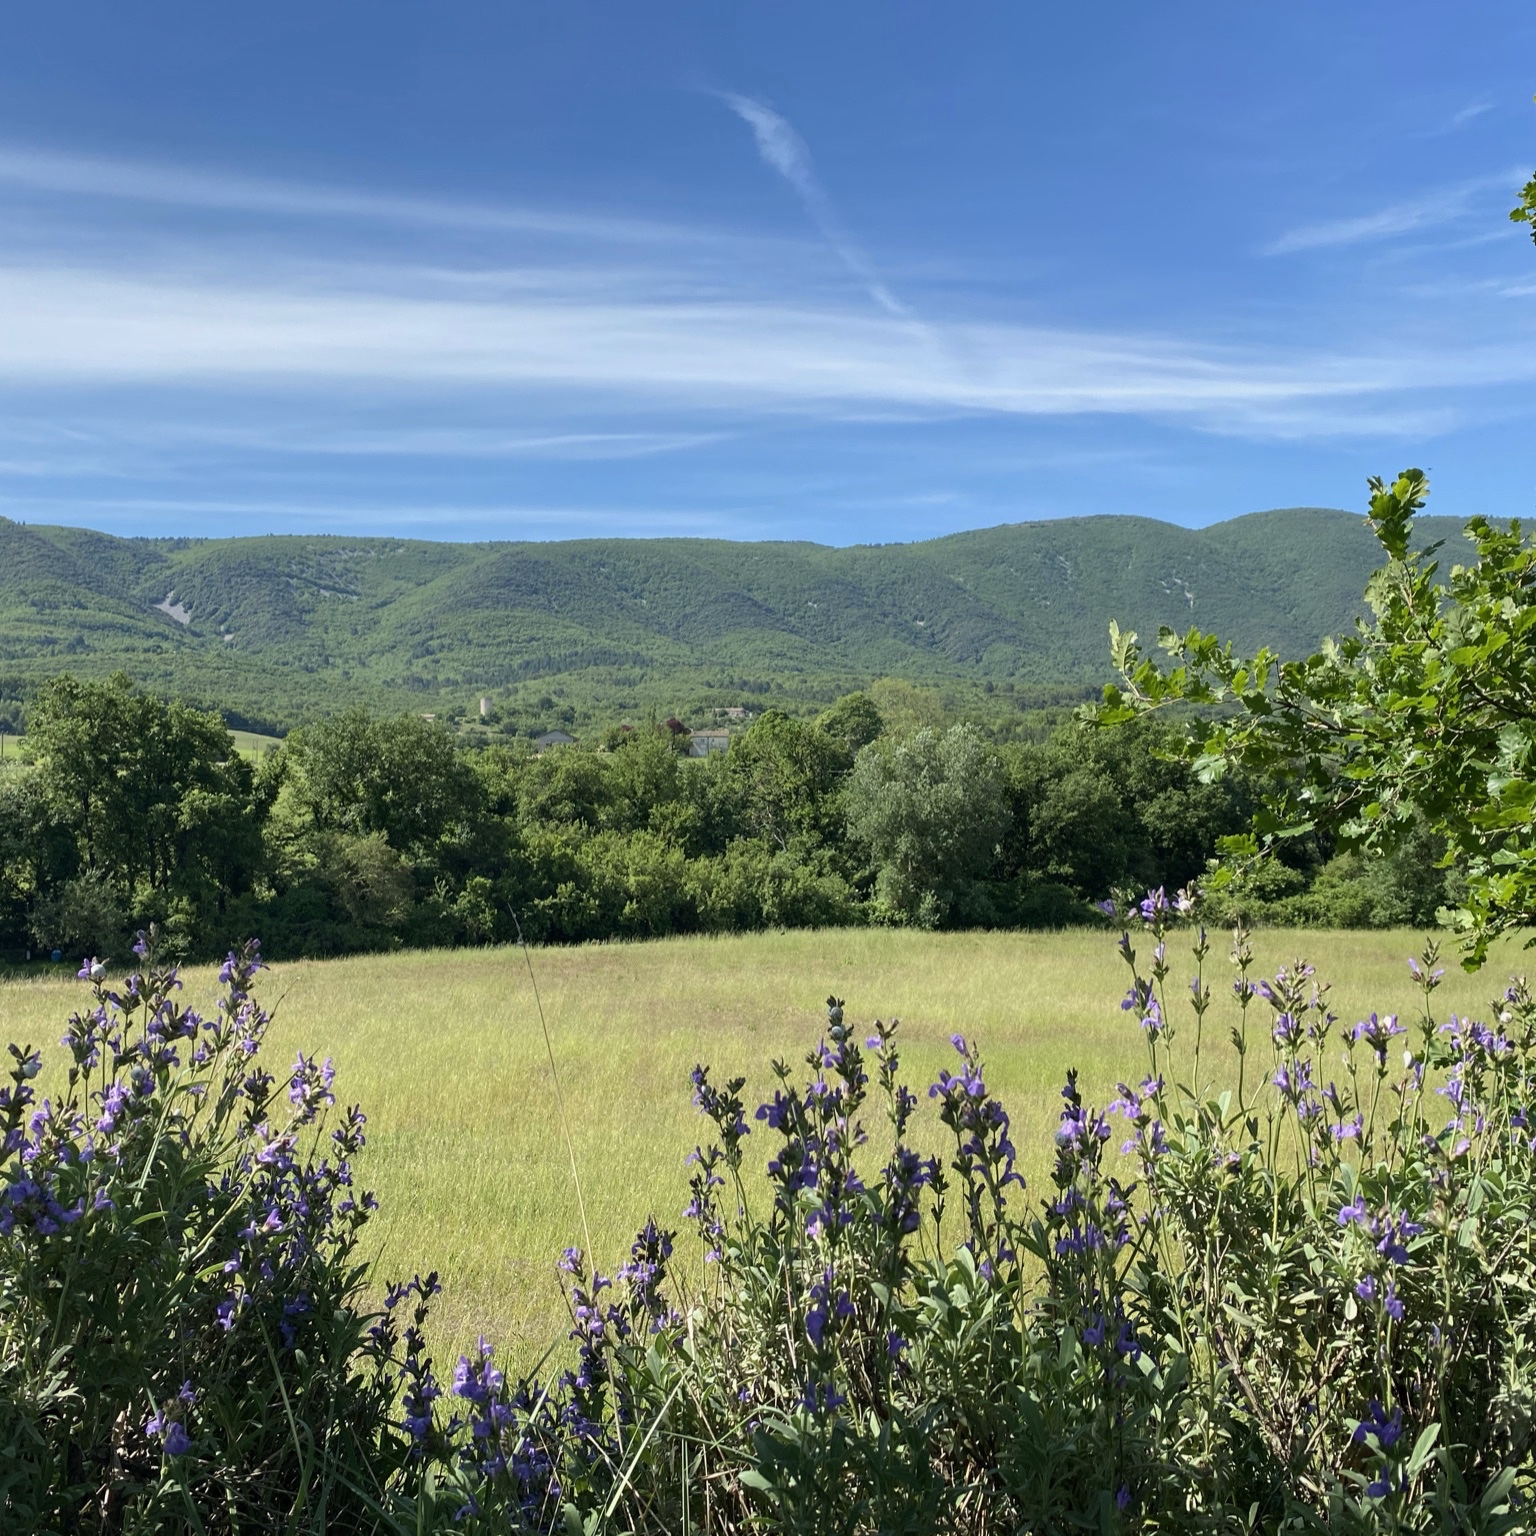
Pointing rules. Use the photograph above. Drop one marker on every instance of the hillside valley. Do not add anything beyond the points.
(279, 628)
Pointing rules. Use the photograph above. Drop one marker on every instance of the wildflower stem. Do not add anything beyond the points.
(554, 1072)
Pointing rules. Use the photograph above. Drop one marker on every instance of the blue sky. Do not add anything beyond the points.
(849, 272)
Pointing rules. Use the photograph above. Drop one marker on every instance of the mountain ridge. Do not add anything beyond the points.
(282, 627)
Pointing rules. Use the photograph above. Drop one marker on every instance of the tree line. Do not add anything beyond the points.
(364, 832)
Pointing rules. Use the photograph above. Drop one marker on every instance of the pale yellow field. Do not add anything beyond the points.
(253, 743)
(445, 1052)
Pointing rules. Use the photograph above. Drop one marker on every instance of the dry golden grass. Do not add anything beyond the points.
(445, 1052)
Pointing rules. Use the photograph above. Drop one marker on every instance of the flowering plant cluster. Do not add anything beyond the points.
(1286, 1280)
(182, 1337)
(1339, 1244)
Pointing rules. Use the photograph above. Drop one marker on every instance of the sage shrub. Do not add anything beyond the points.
(183, 1340)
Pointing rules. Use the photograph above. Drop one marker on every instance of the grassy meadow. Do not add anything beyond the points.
(445, 1052)
(253, 744)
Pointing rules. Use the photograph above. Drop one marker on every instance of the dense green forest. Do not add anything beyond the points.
(366, 831)
(280, 630)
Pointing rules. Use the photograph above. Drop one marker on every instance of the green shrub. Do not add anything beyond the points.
(84, 915)
(755, 885)
(183, 1343)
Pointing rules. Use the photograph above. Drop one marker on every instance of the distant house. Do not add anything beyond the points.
(702, 743)
(553, 739)
(735, 712)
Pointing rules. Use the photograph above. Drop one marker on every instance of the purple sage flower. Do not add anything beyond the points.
(1386, 1430)
(1354, 1211)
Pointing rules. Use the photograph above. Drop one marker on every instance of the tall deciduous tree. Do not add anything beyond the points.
(151, 789)
(930, 811)
(852, 722)
(1425, 718)
(155, 797)
(785, 774)
(400, 777)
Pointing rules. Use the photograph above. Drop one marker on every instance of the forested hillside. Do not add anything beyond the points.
(278, 629)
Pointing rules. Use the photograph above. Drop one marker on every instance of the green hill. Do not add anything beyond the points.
(278, 628)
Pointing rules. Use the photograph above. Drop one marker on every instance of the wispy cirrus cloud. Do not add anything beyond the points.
(707, 361)
(1443, 206)
(61, 174)
(1467, 113)
(784, 151)
(45, 448)
(456, 442)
